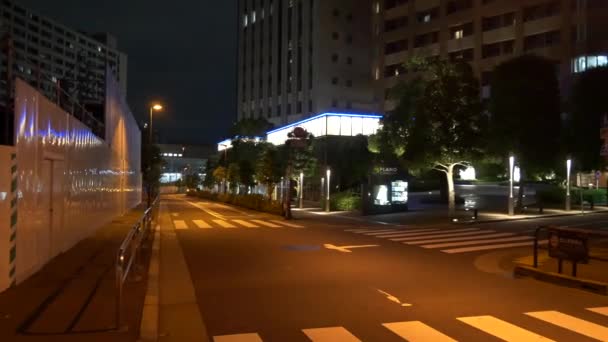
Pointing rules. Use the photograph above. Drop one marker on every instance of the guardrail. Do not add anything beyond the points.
(128, 254)
(565, 243)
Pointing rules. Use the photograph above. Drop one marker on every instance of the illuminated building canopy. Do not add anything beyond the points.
(336, 124)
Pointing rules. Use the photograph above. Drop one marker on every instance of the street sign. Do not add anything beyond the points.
(568, 245)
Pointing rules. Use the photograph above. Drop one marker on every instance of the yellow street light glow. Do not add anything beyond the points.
(157, 107)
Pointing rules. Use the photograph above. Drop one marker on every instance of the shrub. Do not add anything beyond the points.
(557, 195)
(344, 201)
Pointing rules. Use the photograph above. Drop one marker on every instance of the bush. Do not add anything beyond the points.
(557, 195)
(344, 201)
(253, 202)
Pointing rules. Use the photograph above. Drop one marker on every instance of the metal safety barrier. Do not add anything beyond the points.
(128, 254)
(566, 243)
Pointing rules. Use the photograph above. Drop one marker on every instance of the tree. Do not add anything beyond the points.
(268, 169)
(192, 181)
(220, 176)
(588, 106)
(438, 120)
(233, 175)
(250, 127)
(151, 165)
(525, 114)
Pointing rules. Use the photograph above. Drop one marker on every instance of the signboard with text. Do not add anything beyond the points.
(568, 245)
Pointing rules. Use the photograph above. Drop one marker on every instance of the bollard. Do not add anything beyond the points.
(475, 212)
(540, 208)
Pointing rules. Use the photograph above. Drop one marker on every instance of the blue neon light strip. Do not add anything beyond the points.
(373, 116)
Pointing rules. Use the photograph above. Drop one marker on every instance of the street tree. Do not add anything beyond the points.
(268, 169)
(220, 176)
(250, 127)
(525, 115)
(151, 165)
(588, 108)
(438, 120)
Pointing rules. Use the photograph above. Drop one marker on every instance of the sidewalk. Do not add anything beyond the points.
(73, 297)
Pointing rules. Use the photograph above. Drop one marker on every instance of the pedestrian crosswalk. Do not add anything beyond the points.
(418, 331)
(231, 224)
(451, 241)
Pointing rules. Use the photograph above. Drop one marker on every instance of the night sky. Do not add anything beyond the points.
(180, 52)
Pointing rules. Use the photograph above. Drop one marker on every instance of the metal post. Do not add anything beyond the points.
(536, 232)
(568, 168)
(574, 264)
(301, 190)
(560, 265)
(119, 276)
(327, 208)
(511, 167)
(580, 184)
(322, 189)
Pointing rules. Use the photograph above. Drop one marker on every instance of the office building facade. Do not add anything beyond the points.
(67, 66)
(572, 33)
(299, 58)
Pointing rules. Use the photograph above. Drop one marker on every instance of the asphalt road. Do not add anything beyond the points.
(296, 283)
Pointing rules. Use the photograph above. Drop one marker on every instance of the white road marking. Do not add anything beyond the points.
(208, 211)
(180, 224)
(477, 242)
(577, 325)
(501, 329)
(416, 331)
(238, 338)
(201, 224)
(175, 214)
(462, 238)
(485, 248)
(224, 224)
(331, 334)
(267, 224)
(406, 233)
(363, 230)
(246, 224)
(601, 311)
(393, 298)
(288, 224)
(442, 235)
(345, 249)
(376, 231)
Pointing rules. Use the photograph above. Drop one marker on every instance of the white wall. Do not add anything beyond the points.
(7, 227)
(63, 166)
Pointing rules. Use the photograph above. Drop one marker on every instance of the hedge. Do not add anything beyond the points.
(557, 195)
(344, 201)
(253, 202)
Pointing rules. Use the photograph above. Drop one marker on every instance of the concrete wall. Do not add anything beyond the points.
(70, 182)
(8, 212)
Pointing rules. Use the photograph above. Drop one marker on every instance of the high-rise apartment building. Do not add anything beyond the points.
(298, 58)
(573, 33)
(64, 64)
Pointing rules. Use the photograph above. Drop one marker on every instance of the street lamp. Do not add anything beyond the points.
(327, 197)
(301, 190)
(156, 107)
(511, 167)
(568, 169)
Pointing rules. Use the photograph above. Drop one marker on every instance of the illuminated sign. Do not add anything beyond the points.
(399, 192)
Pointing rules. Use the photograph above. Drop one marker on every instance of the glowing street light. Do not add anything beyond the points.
(327, 196)
(511, 168)
(301, 190)
(156, 107)
(568, 169)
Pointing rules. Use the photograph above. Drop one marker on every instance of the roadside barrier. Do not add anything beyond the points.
(128, 255)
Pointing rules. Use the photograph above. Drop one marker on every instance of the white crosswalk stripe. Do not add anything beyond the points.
(201, 224)
(501, 329)
(331, 334)
(266, 224)
(572, 323)
(460, 238)
(418, 331)
(246, 224)
(180, 224)
(477, 242)
(288, 224)
(489, 247)
(224, 224)
(443, 235)
(406, 233)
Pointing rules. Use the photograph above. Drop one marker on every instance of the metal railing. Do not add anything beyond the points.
(583, 234)
(128, 254)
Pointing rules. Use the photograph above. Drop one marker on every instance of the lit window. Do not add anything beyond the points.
(253, 17)
(245, 20)
(458, 34)
(426, 18)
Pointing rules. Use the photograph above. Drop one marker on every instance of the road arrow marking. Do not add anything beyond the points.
(393, 298)
(345, 249)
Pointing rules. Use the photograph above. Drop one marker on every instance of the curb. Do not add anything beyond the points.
(148, 330)
(531, 218)
(561, 279)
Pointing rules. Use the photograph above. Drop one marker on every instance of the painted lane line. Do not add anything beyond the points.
(292, 225)
(266, 224)
(416, 331)
(403, 230)
(394, 299)
(601, 311)
(224, 224)
(180, 224)
(246, 224)
(406, 233)
(331, 334)
(443, 235)
(462, 238)
(201, 224)
(208, 211)
(485, 248)
(501, 329)
(477, 242)
(577, 325)
(238, 338)
(345, 249)
(440, 233)
(363, 230)
(375, 231)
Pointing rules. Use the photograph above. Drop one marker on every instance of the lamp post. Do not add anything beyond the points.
(568, 169)
(511, 168)
(156, 107)
(327, 195)
(322, 189)
(301, 190)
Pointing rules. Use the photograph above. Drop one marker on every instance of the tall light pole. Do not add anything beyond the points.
(156, 107)
(511, 169)
(301, 190)
(568, 168)
(327, 197)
